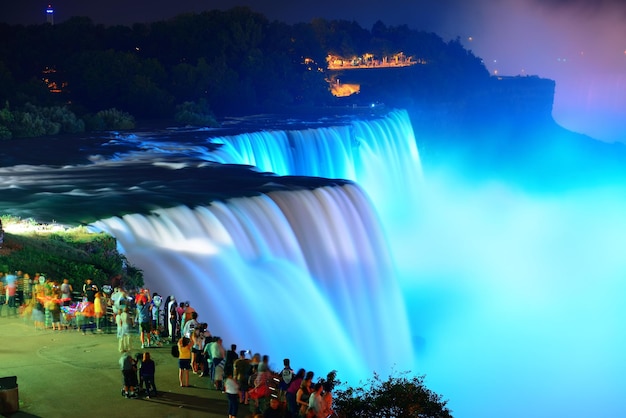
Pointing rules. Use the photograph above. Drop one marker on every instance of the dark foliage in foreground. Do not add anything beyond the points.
(398, 396)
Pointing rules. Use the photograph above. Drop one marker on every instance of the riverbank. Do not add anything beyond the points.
(65, 373)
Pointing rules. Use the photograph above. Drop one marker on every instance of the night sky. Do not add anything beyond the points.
(579, 43)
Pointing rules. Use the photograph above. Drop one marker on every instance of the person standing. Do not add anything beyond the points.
(217, 354)
(231, 356)
(191, 325)
(99, 310)
(231, 387)
(315, 400)
(184, 361)
(89, 290)
(173, 319)
(66, 292)
(157, 301)
(144, 317)
(242, 374)
(20, 300)
(129, 375)
(147, 372)
(292, 390)
(11, 291)
(286, 375)
(123, 321)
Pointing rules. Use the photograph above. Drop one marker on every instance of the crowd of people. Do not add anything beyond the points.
(244, 378)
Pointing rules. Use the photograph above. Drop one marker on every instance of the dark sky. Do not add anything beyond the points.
(579, 43)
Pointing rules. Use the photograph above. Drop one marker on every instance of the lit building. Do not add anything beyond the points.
(50, 14)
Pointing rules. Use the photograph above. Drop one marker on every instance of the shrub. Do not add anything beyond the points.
(75, 254)
(110, 119)
(195, 114)
(400, 397)
(61, 115)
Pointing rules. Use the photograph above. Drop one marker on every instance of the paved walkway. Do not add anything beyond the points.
(67, 374)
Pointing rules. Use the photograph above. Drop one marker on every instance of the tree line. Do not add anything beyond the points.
(201, 65)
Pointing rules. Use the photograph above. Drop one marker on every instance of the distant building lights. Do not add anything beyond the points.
(50, 14)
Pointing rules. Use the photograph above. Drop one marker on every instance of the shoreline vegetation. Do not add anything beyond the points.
(200, 68)
(62, 252)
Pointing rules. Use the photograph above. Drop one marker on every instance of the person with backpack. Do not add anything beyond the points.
(286, 375)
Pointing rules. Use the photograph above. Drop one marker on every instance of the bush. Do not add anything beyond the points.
(33, 121)
(400, 397)
(75, 254)
(195, 114)
(110, 119)
(61, 115)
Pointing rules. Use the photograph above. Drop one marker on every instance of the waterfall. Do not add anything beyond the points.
(380, 155)
(298, 274)
(303, 274)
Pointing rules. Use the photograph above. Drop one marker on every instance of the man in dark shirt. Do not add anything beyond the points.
(89, 290)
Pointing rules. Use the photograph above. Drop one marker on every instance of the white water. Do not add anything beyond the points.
(514, 301)
(299, 274)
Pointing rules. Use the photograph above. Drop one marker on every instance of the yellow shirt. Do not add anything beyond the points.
(184, 351)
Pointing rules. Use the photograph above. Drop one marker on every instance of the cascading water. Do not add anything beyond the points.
(514, 298)
(298, 274)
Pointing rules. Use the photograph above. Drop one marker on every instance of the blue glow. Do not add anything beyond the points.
(509, 300)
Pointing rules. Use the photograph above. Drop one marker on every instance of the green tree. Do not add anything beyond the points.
(401, 397)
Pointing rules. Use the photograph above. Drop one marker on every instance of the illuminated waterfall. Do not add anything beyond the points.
(513, 296)
(380, 155)
(299, 274)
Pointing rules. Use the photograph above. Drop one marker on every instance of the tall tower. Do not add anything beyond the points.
(50, 14)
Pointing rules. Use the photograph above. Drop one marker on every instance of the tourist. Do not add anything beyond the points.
(11, 290)
(171, 317)
(216, 353)
(37, 314)
(286, 376)
(242, 374)
(316, 402)
(128, 367)
(123, 321)
(231, 356)
(20, 299)
(144, 318)
(146, 373)
(118, 299)
(197, 347)
(89, 290)
(274, 410)
(99, 309)
(303, 394)
(85, 316)
(66, 292)
(231, 387)
(185, 313)
(327, 398)
(184, 361)
(156, 303)
(292, 390)
(55, 313)
(190, 324)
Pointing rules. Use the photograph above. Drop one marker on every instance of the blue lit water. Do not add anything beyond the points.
(500, 278)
